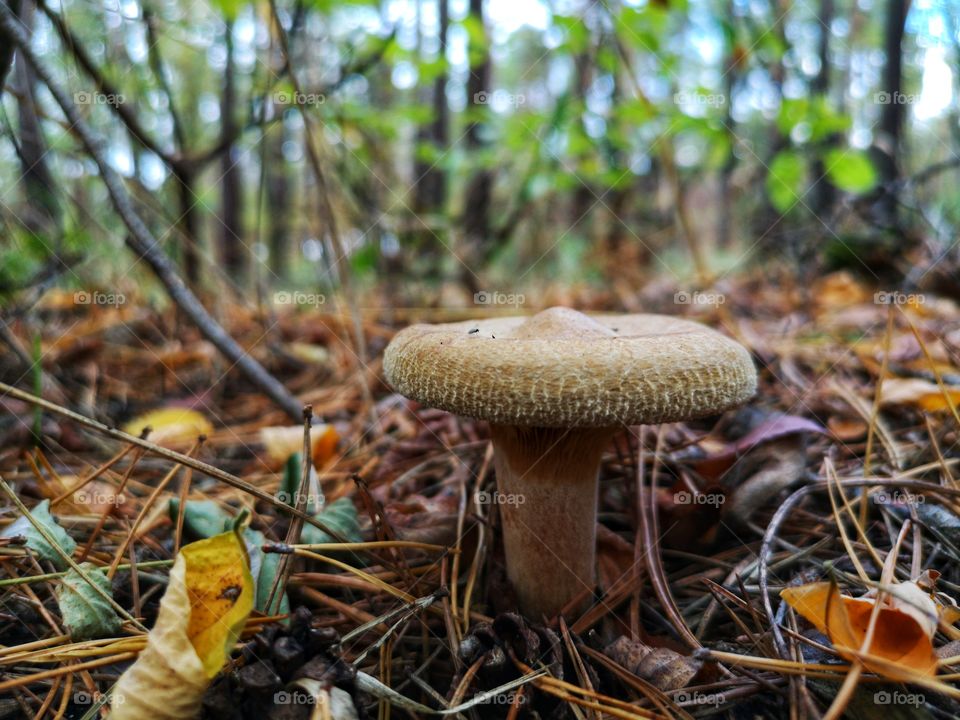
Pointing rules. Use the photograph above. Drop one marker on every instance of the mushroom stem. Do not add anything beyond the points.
(547, 481)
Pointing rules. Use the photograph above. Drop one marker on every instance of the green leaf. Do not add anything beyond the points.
(785, 179)
(850, 170)
(477, 39)
(792, 112)
(230, 8)
(202, 518)
(577, 33)
(264, 567)
(341, 516)
(36, 542)
(86, 614)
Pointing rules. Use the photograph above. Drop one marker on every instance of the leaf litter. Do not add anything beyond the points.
(801, 553)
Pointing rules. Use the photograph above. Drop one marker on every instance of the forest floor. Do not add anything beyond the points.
(830, 484)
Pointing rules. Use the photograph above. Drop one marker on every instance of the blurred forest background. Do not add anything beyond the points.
(479, 146)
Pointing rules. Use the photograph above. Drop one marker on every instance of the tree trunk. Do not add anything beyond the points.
(430, 191)
(823, 191)
(6, 49)
(188, 226)
(731, 68)
(891, 110)
(476, 218)
(278, 202)
(233, 253)
(583, 199)
(44, 216)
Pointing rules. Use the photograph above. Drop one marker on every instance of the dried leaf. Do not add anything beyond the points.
(283, 441)
(921, 393)
(85, 612)
(205, 606)
(774, 428)
(781, 464)
(171, 427)
(664, 668)
(903, 636)
(38, 543)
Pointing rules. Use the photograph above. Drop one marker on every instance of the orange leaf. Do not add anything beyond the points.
(902, 644)
(282, 442)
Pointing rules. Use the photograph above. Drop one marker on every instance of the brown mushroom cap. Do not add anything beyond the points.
(561, 368)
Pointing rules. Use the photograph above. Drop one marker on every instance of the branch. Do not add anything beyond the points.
(140, 240)
(6, 52)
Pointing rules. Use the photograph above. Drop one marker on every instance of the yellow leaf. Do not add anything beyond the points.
(221, 595)
(283, 441)
(903, 636)
(172, 426)
(202, 612)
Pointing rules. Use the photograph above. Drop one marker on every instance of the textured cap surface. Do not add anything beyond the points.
(561, 368)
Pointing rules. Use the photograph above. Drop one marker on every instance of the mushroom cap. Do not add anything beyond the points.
(561, 368)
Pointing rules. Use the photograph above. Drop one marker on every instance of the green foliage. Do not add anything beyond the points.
(850, 170)
(201, 518)
(340, 516)
(264, 567)
(820, 118)
(86, 613)
(786, 180)
(23, 527)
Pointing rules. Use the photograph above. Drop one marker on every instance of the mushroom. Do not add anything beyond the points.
(555, 388)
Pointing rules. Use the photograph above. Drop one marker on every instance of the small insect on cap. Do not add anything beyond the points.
(561, 368)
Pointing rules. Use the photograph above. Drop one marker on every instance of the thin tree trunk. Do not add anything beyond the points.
(430, 192)
(232, 248)
(731, 68)
(823, 191)
(6, 49)
(278, 202)
(188, 226)
(583, 199)
(44, 217)
(891, 111)
(476, 220)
